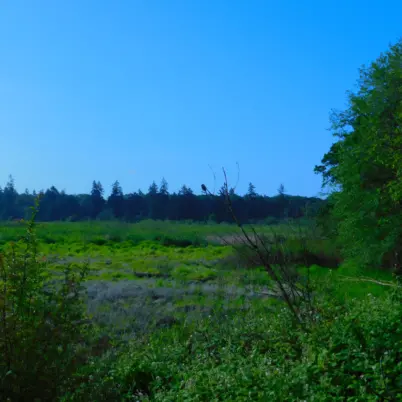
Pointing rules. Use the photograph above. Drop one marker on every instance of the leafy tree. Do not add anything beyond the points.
(364, 166)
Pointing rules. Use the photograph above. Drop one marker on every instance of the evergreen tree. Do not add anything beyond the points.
(251, 193)
(9, 199)
(163, 188)
(49, 206)
(116, 200)
(281, 190)
(136, 207)
(283, 202)
(85, 206)
(23, 204)
(153, 189)
(97, 200)
(153, 201)
(161, 205)
(188, 204)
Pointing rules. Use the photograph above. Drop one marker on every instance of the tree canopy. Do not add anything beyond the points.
(364, 166)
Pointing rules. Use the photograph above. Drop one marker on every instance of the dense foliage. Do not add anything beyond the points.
(157, 203)
(364, 167)
(352, 352)
(42, 324)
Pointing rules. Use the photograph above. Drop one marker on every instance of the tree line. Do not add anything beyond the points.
(157, 203)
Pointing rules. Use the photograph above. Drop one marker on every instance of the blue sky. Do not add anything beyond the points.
(140, 89)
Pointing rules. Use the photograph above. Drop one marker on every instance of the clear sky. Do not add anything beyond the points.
(140, 89)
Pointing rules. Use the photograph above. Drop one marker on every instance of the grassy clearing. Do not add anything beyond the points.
(158, 265)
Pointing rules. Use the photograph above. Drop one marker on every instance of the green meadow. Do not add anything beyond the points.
(170, 267)
(166, 266)
(176, 311)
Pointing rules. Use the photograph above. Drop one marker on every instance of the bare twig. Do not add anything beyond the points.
(260, 249)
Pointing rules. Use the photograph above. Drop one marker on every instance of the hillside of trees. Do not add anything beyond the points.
(158, 203)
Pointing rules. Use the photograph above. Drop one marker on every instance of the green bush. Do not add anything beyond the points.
(42, 323)
(99, 241)
(179, 242)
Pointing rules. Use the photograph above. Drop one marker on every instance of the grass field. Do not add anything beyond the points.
(147, 274)
(180, 312)
(156, 273)
(86, 232)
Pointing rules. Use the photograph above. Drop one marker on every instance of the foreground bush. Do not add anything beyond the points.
(352, 351)
(42, 324)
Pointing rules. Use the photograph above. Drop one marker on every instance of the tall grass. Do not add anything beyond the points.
(144, 230)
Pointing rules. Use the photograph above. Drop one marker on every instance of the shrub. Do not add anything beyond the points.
(42, 323)
(99, 241)
(178, 242)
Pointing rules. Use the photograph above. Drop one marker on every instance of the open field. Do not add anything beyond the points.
(154, 274)
(147, 274)
(85, 232)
